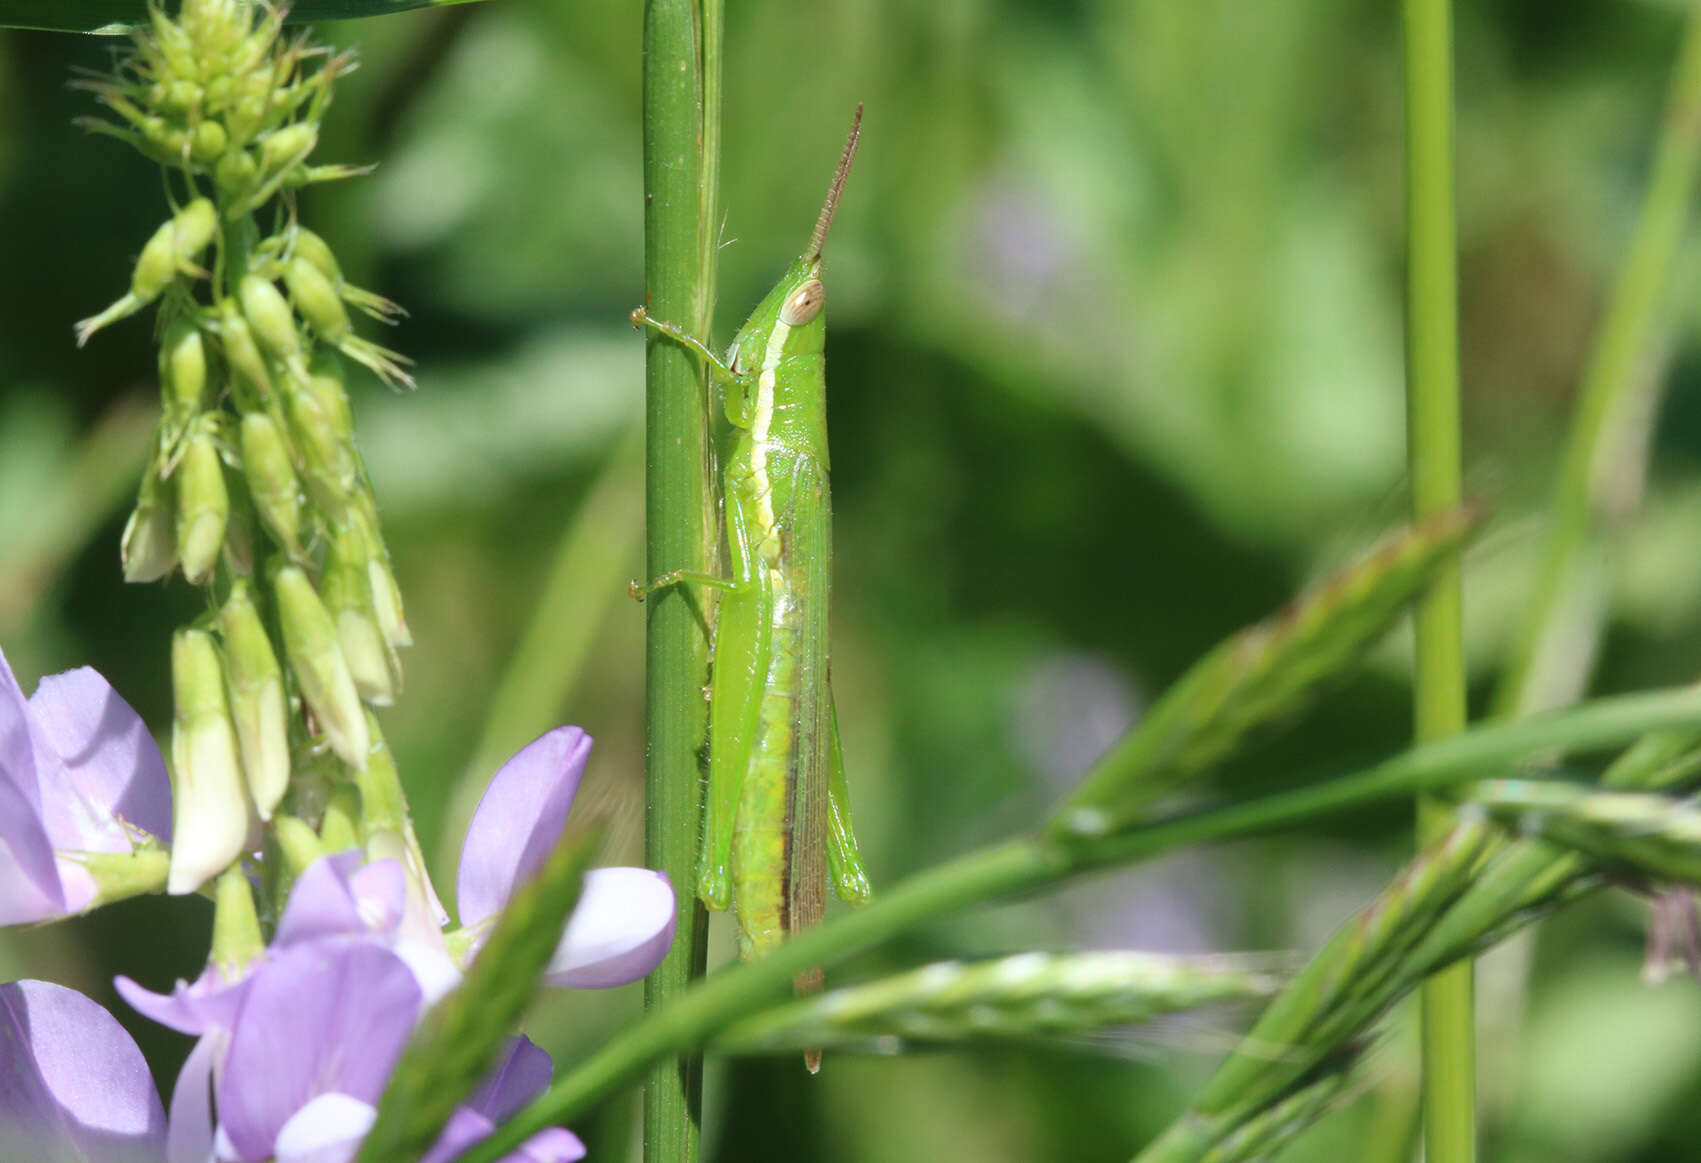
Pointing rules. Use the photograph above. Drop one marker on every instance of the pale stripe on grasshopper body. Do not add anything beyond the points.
(777, 820)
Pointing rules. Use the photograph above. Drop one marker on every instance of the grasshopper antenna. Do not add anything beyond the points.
(825, 222)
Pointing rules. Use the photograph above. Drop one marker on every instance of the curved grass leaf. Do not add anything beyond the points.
(114, 17)
(459, 1040)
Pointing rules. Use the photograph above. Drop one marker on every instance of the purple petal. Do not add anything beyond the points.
(519, 820)
(191, 1135)
(550, 1145)
(522, 1074)
(29, 882)
(619, 931)
(73, 1085)
(337, 897)
(109, 755)
(30, 889)
(464, 1128)
(208, 1003)
(327, 1017)
(327, 1130)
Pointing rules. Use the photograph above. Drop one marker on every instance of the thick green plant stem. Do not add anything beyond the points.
(1031, 863)
(679, 532)
(1611, 379)
(1432, 393)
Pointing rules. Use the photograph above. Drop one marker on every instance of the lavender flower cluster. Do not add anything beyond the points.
(296, 1039)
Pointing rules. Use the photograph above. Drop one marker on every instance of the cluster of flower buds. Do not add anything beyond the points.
(255, 487)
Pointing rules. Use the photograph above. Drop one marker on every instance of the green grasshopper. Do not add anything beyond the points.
(777, 815)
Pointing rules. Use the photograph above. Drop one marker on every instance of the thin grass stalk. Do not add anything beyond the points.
(1611, 378)
(678, 533)
(1432, 393)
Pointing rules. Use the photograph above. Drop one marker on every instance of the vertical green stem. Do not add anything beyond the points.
(679, 530)
(1611, 376)
(1432, 390)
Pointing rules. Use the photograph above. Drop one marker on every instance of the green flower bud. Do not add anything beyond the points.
(257, 703)
(245, 118)
(203, 506)
(299, 843)
(285, 148)
(272, 480)
(172, 250)
(236, 924)
(387, 600)
(239, 531)
(325, 385)
(340, 830)
(156, 266)
(318, 252)
(268, 313)
(219, 91)
(182, 373)
(310, 642)
(192, 231)
(207, 142)
(384, 811)
(315, 296)
(314, 772)
(149, 547)
(173, 45)
(325, 452)
(348, 597)
(243, 355)
(236, 173)
(209, 805)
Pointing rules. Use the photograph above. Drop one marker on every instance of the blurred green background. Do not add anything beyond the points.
(1115, 367)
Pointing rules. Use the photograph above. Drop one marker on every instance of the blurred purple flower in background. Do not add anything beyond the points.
(79, 773)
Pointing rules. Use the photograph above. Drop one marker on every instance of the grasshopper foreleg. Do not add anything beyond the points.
(717, 366)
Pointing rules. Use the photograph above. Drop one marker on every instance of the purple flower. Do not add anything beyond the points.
(79, 773)
(298, 1074)
(73, 1085)
(294, 1053)
(624, 921)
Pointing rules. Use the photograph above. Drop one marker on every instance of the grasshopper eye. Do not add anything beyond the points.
(803, 304)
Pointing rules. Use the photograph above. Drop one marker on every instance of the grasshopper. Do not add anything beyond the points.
(777, 815)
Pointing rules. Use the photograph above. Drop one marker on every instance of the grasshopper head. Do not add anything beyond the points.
(797, 300)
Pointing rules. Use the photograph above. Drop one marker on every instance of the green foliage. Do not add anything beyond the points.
(1115, 364)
